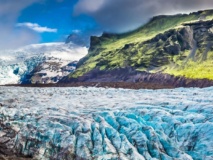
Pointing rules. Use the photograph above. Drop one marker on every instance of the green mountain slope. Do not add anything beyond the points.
(179, 45)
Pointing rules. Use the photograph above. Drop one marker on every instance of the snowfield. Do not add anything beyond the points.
(15, 65)
(98, 123)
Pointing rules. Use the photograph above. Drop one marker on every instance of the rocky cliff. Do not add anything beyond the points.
(176, 46)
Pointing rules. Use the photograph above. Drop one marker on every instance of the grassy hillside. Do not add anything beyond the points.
(164, 44)
(193, 69)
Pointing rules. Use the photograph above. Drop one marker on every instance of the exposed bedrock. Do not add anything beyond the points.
(131, 75)
(184, 50)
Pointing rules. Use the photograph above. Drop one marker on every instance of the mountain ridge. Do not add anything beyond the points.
(39, 63)
(178, 45)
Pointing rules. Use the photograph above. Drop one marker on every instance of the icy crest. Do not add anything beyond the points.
(16, 64)
(97, 123)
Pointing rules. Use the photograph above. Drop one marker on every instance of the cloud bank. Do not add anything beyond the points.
(12, 37)
(36, 27)
(125, 15)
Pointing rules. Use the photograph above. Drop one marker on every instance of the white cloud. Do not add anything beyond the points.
(36, 27)
(12, 37)
(76, 31)
(125, 15)
(89, 5)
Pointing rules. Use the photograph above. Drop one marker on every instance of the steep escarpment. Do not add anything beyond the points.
(179, 45)
(136, 79)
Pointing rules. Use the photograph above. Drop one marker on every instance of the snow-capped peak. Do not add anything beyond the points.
(64, 51)
(15, 64)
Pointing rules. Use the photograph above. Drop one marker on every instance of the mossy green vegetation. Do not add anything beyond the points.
(193, 70)
(197, 69)
(159, 45)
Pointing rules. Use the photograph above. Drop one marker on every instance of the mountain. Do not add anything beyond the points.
(39, 63)
(178, 47)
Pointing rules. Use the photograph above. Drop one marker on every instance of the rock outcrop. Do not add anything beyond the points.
(132, 76)
(175, 47)
(39, 63)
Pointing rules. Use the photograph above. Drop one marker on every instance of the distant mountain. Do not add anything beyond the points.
(175, 46)
(39, 63)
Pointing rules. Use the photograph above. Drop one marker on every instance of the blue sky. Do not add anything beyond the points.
(24, 22)
(58, 16)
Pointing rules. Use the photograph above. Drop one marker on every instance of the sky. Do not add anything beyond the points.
(24, 22)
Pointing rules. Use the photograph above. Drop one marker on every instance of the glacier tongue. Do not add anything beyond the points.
(98, 123)
(43, 62)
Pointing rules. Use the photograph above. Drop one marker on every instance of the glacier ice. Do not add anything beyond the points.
(16, 65)
(98, 123)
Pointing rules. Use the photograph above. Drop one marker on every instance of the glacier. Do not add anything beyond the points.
(106, 124)
(50, 58)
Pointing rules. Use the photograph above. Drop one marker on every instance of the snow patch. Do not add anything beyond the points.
(15, 64)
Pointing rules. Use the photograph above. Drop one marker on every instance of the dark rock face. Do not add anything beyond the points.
(191, 36)
(174, 40)
(133, 76)
(78, 39)
(175, 47)
(39, 74)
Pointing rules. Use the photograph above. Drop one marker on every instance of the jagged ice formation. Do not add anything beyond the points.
(98, 123)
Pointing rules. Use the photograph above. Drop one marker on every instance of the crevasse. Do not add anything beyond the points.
(98, 123)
